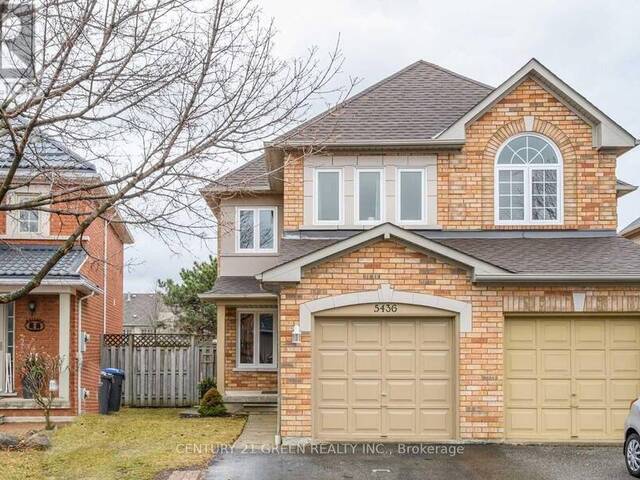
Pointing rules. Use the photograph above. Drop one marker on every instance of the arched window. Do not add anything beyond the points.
(528, 181)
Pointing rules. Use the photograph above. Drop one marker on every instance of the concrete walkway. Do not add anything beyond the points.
(259, 432)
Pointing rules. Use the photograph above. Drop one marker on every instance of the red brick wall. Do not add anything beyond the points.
(45, 341)
(480, 359)
(235, 380)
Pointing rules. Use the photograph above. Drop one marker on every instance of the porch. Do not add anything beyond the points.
(248, 354)
(39, 323)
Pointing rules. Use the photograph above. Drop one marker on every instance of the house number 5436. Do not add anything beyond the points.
(385, 307)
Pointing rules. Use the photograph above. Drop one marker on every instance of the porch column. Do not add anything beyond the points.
(64, 337)
(220, 342)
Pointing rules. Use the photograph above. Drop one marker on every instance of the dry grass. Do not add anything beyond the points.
(132, 444)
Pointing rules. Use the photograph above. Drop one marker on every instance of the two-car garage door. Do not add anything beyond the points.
(570, 378)
(383, 379)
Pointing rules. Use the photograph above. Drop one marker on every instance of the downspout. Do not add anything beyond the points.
(79, 352)
(104, 279)
(278, 439)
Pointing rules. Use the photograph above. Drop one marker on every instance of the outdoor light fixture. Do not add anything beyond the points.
(296, 335)
(32, 306)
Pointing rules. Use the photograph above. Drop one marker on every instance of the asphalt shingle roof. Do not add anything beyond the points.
(610, 255)
(236, 285)
(43, 153)
(26, 260)
(250, 176)
(416, 103)
(582, 256)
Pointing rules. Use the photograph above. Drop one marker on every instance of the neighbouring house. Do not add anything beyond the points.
(147, 313)
(79, 300)
(632, 231)
(433, 259)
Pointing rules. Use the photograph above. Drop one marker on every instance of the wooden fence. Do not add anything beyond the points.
(161, 370)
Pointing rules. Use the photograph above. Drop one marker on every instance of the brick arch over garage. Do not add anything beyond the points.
(386, 294)
(532, 124)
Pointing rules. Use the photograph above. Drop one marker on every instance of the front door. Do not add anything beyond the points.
(7, 347)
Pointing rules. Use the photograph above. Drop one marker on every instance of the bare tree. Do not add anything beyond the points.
(40, 372)
(160, 94)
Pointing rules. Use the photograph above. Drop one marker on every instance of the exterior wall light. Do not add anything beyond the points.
(32, 306)
(296, 335)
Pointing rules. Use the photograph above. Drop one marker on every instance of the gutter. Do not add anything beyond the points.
(508, 278)
(226, 296)
(80, 283)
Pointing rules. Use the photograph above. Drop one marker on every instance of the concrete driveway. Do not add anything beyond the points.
(342, 461)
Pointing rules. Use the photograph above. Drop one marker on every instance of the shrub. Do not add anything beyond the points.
(205, 385)
(211, 404)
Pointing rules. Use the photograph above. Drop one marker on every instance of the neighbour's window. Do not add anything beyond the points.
(256, 339)
(411, 196)
(256, 229)
(528, 181)
(28, 220)
(369, 196)
(328, 196)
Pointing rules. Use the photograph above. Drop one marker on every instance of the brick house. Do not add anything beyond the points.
(434, 259)
(80, 299)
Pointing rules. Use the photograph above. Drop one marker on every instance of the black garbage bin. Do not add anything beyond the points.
(116, 388)
(106, 381)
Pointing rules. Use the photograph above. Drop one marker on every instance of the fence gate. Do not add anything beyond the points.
(161, 370)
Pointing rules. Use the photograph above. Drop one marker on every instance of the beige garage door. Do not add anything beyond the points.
(383, 379)
(570, 378)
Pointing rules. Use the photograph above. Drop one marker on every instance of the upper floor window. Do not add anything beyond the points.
(256, 230)
(411, 195)
(369, 197)
(328, 196)
(27, 221)
(528, 181)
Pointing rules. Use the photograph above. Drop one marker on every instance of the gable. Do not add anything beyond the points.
(291, 271)
(606, 132)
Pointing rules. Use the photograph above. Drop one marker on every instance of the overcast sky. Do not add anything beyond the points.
(593, 47)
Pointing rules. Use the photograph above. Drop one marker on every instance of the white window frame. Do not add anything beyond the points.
(256, 230)
(14, 224)
(526, 169)
(356, 196)
(423, 220)
(256, 365)
(340, 220)
(7, 311)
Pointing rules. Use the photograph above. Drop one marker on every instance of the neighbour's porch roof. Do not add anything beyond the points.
(19, 263)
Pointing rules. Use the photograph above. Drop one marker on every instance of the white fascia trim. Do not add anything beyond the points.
(80, 284)
(607, 133)
(386, 294)
(292, 271)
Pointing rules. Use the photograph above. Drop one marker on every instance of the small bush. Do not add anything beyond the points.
(211, 404)
(205, 385)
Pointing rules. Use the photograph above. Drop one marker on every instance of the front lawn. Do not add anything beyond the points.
(132, 444)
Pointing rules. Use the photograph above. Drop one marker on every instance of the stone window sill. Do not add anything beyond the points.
(255, 369)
